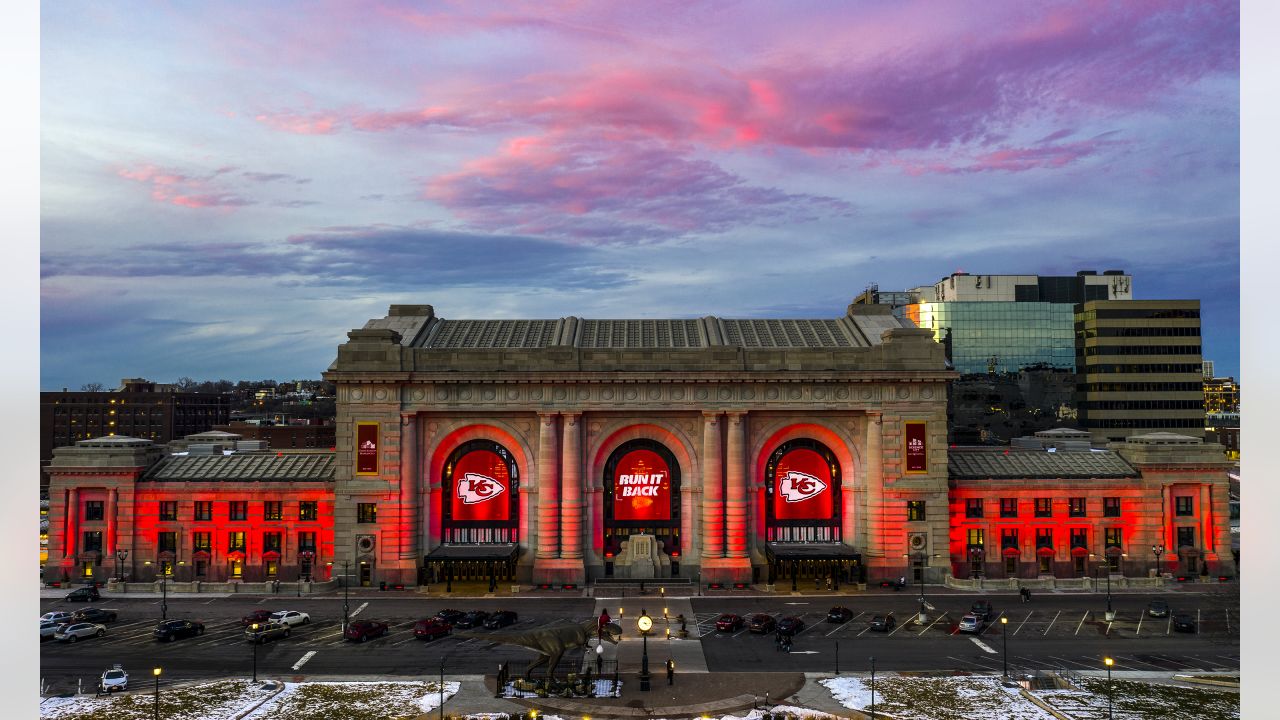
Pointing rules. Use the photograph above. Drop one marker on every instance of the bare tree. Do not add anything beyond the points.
(92, 387)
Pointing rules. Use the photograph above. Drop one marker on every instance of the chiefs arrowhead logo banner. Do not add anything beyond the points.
(802, 487)
(475, 488)
(366, 448)
(917, 455)
(481, 481)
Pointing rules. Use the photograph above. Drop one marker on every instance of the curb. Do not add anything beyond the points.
(1205, 681)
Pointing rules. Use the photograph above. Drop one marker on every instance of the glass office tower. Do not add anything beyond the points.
(986, 336)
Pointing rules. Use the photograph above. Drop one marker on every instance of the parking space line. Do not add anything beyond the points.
(1134, 660)
(1168, 628)
(935, 622)
(1197, 621)
(991, 624)
(864, 631)
(303, 660)
(1082, 619)
(1141, 617)
(1051, 622)
(896, 628)
(1228, 611)
(845, 624)
(1175, 662)
(1024, 621)
(356, 612)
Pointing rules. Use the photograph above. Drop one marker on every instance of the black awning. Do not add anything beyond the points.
(461, 553)
(811, 551)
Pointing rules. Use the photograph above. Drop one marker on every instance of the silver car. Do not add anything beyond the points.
(74, 631)
(970, 623)
(58, 616)
(48, 628)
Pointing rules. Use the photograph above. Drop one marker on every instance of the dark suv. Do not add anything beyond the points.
(93, 615)
(475, 618)
(171, 630)
(87, 594)
(761, 623)
(839, 614)
(983, 609)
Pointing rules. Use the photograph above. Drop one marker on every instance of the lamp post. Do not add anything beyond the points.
(873, 687)
(1108, 662)
(921, 618)
(837, 657)
(121, 556)
(164, 591)
(1157, 550)
(346, 598)
(975, 560)
(1004, 630)
(156, 672)
(645, 624)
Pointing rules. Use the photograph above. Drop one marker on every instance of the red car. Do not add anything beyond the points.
(431, 628)
(257, 616)
(362, 630)
(729, 622)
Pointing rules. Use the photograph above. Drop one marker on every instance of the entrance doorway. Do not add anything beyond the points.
(1079, 561)
(1046, 566)
(366, 574)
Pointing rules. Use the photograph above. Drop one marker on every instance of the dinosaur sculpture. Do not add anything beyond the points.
(551, 640)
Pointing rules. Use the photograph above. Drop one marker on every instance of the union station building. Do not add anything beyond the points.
(561, 452)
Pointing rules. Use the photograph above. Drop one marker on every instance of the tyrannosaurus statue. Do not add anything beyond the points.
(551, 640)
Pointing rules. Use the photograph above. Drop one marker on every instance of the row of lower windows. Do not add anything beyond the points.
(1079, 537)
(238, 510)
(167, 541)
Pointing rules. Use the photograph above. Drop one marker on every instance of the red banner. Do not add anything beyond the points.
(917, 447)
(481, 485)
(803, 487)
(642, 487)
(367, 448)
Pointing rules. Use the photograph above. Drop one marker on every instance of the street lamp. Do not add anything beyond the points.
(256, 643)
(156, 672)
(164, 591)
(1108, 662)
(921, 619)
(645, 624)
(1004, 630)
(873, 687)
(346, 598)
(1157, 550)
(121, 556)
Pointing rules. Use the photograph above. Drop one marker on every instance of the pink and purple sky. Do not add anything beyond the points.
(227, 188)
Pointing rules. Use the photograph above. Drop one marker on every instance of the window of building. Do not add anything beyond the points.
(238, 510)
(167, 541)
(1115, 537)
(93, 540)
(1008, 507)
(915, 510)
(271, 510)
(1110, 507)
(168, 509)
(1044, 538)
(1184, 506)
(86, 569)
(1044, 507)
(204, 510)
(271, 542)
(366, 512)
(272, 567)
(977, 537)
(306, 542)
(1076, 507)
(202, 568)
(307, 510)
(1186, 537)
(1008, 538)
(235, 541)
(202, 541)
(973, 507)
(1079, 538)
(93, 510)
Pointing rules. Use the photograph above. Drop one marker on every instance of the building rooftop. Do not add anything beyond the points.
(262, 467)
(1000, 464)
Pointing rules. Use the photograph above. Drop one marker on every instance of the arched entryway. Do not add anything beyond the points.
(479, 515)
(803, 515)
(641, 485)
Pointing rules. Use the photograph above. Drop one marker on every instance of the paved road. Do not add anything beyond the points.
(1061, 631)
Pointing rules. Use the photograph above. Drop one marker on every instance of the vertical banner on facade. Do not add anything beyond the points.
(367, 438)
(917, 454)
(642, 487)
(802, 487)
(481, 483)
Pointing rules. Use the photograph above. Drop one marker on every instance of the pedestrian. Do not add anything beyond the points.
(604, 620)
(817, 583)
(671, 671)
(777, 640)
(684, 628)
(828, 582)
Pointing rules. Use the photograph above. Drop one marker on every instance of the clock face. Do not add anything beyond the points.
(645, 624)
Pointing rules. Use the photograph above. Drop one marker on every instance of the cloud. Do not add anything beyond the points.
(206, 190)
(273, 177)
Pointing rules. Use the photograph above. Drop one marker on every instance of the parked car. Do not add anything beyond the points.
(449, 616)
(269, 631)
(257, 616)
(1158, 608)
(475, 618)
(171, 630)
(839, 614)
(883, 623)
(362, 630)
(502, 618)
(983, 609)
(113, 679)
(1184, 623)
(94, 615)
(85, 594)
(48, 628)
(58, 616)
(290, 617)
(729, 622)
(971, 623)
(431, 628)
(790, 625)
(72, 632)
(761, 623)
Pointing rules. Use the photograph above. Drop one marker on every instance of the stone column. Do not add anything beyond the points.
(571, 539)
(736, 487)
(409, 535)
(875, 491)
(73, 522)
(548, 488)
(109, 549)
(1170, 540)
(1206, 520)
(712, 495)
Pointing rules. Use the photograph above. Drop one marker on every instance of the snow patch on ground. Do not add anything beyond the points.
(937, 698)
(851, 692)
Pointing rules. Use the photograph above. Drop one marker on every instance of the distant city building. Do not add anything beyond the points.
(1221, 395)
(1139, 368)
(285, 437)
(1224, 428)
(1208, 368)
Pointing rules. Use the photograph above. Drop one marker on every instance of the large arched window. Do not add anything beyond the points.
(642, 495)
(802, 491)
(483, 486)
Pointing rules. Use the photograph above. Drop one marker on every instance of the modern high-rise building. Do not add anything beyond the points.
(1139, 368)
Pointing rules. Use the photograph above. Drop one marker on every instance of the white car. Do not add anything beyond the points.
(290, 617)
(114, 679)
(970, 623)
(74, 631)
(58, 616)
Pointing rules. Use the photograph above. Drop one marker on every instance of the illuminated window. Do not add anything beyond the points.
(1110, 507)
(204, 510)
(235, 568)
(1186, 537)
(1115, 537)
(1077, 507)
(238, 510)
(973, 507)
(1008, 507)
(977, 537)
(307, 510)
(367, 512)
(272, 568)
(271, 510)
(202, 541)
(235, 541)
(1184, 506)
(168, 510)
(1044, 507)
(93, 510)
